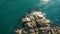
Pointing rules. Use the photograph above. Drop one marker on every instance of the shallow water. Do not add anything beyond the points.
(12, 10)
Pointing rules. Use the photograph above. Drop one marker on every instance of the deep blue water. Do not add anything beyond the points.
(12, 10)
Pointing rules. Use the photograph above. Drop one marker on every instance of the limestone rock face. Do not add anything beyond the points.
(37, 23)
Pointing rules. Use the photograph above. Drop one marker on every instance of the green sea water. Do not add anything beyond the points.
(11, 12)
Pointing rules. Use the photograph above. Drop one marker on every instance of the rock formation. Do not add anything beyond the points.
(37, 23)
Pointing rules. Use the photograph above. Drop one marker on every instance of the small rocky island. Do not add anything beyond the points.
(37, 23)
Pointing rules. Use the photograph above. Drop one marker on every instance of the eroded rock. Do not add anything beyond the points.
(37, 23)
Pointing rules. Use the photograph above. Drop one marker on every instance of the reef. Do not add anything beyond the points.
(37, 23)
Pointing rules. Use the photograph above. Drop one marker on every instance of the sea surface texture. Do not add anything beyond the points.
(11, 12)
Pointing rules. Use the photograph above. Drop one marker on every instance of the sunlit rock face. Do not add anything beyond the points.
(37, 23)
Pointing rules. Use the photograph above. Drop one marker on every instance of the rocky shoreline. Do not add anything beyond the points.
(37, 23)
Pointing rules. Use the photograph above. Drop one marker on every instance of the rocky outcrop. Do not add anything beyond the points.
(37, 23)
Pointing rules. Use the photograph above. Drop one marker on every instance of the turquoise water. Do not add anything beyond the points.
(12, 10)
